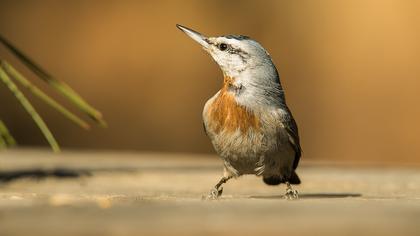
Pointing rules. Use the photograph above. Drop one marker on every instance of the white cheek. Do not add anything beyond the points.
(234, 64)
(230, 64)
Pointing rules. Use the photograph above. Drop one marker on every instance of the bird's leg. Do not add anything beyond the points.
(291, 194)
(217, 191)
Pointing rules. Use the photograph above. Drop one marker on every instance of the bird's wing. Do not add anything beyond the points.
(293, 133)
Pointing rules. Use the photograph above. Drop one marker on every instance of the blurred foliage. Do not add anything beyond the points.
(10, 77)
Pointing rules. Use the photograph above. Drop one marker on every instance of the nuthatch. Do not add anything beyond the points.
(248, 121)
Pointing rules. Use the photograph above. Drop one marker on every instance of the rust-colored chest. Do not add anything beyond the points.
(225, 114)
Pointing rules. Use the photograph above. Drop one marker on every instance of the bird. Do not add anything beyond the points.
(247, 120)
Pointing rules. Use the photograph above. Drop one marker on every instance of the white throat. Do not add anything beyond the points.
(257, 87)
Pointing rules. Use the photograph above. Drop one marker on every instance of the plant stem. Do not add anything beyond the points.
(58, 85)
(14, 74)
(30, 109)
(3, 144)
(5, 136)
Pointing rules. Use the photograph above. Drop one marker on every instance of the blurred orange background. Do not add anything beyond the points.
(350, 70)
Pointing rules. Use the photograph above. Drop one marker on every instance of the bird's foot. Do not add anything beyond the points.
(214, 194)
(291, 194)
(217, 191)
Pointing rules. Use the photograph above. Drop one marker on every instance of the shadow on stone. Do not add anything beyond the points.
(313, 196)
(38, 174)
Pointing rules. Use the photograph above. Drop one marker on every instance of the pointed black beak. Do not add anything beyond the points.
(199, 38)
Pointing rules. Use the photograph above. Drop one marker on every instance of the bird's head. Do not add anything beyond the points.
(247, 65)
(234, 54)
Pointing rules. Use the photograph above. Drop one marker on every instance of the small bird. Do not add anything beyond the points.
(247, 120)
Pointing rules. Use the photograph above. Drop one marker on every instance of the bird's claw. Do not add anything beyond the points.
(291, 194)
(214, 194)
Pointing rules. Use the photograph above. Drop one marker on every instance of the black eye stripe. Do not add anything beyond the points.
(228, 48)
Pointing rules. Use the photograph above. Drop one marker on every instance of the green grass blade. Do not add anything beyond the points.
(30, 109)
(58, 85)
(5, 135)
(14, 74)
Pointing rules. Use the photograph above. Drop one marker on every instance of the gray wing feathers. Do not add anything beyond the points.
(292, 131)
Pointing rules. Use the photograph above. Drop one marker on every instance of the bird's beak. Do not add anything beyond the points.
(199, 38)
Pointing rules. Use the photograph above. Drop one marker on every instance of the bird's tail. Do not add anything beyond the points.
(276, 180)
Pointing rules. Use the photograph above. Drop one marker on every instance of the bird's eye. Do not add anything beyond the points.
(223, 46)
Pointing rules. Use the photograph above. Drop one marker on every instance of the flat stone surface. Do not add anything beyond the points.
(112, 193)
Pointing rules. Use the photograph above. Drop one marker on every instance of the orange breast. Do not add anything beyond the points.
(226, 114)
